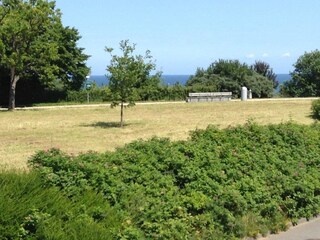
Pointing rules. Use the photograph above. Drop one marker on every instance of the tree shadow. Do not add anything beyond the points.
(106, 125)
(315, 118)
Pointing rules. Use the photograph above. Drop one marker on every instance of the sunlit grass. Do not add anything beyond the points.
(75, 130)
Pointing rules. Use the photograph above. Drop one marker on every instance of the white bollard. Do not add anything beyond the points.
(244, 94)
(250, 94)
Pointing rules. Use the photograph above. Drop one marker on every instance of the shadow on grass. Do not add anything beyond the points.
(314, 117)
(106, 125)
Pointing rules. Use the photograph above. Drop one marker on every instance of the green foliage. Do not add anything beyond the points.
(34, 45)
(176, 92)
(265, 70)
(71, 62)
(315, 108)
(219, 184)
(231, 75)
(29, 210)
(305, 79)
(96, 94)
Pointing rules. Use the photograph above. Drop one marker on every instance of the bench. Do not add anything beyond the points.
(209, 96)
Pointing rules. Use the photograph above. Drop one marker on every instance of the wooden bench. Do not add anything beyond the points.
(209, 96)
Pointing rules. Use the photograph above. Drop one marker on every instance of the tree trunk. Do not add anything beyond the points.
(12, 91)
(121, 115)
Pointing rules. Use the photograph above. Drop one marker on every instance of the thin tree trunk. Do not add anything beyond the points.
(121, 115)
(12, 91)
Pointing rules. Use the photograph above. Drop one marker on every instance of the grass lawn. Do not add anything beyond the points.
(75, 130)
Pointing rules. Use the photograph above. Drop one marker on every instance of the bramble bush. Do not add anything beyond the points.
(218, 184)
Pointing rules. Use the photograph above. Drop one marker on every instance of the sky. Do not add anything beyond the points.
(183, 35)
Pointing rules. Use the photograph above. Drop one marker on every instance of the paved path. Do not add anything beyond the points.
(152, 103)
(87, 105)
(304, 231)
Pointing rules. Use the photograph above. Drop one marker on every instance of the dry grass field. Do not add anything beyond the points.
(74, 130)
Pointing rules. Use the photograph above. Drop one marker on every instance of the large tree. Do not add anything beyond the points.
(305, 79)
(265, 70)
(71, 62)
(35, 45)
(231, 75)
(128, 72)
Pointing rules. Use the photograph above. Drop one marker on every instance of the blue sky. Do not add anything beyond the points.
(185, 34)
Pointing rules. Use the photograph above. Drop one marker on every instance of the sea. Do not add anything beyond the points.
(102, 80)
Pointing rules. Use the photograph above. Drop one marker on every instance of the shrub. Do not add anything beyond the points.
(315, 108)
(219, 184)
(96, 94)
(28, 210)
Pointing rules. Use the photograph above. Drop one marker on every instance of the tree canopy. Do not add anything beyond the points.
(128, 72)
(231, 75)
(35, 45)
(305, 79)
(265, 70)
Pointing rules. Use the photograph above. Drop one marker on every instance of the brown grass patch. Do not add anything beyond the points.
(75, 130)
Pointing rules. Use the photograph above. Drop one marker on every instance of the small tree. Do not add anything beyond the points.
(126, 71)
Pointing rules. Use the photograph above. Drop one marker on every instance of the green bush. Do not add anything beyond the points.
(96, 94)
(176, 92)
(219, 184)
(315, 108)
(29, 210)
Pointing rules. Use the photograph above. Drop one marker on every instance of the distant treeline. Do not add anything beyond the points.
(222, 75)
(170, 93)
(40, 61)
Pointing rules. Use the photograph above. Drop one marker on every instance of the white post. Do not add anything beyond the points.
(250, 94)
(88, 94)
(244, 94)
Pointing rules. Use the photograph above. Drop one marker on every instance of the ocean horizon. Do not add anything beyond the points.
(102, 80)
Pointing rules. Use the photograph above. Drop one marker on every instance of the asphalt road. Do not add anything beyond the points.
(304, 231)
